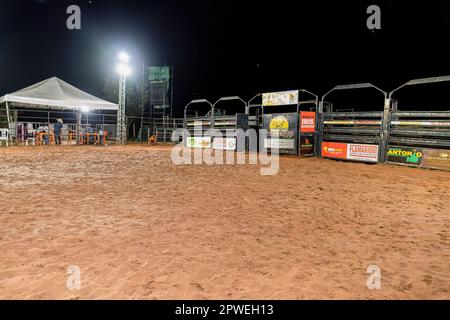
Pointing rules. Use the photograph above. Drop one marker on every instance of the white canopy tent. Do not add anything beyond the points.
(55, 93)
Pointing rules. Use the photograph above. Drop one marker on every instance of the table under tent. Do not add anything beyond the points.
(29, 115)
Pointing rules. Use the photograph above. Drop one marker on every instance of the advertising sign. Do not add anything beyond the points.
(405, 155)
(282, 132)
(224, 143)
(157, 73)
(362, 152)
(198, 142)
(436, 158)
(306, 145)
(307, 121)
(334, 150)
(280, 98)
(279, 143)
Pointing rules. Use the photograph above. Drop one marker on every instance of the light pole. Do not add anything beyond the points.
(123, 69)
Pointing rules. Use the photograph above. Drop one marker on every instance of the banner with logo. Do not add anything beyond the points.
(281, 132)
(198, 142)
(362, 152)
(307, 121)
(405, 155)
(436, 159)
(350, 151)
(224, 143)
(307, 145)
(420, 157)
(335, 150)
(158, 73)
(280, 98)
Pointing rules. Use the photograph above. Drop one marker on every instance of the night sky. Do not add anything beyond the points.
(223, 48)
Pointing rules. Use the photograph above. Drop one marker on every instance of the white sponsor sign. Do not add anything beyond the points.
(198, 142)
(279, 143)
(362, 152)
(280, 98)
(224, 143)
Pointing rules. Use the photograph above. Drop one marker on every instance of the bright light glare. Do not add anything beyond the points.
(123, 69)
(84, 109)
(123, 57)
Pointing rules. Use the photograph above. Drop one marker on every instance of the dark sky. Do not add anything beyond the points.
(227, 47)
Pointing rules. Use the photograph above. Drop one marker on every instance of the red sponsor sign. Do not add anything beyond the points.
(307, 121)
(334, 150)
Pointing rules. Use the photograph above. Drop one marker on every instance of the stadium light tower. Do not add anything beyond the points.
(124, 70)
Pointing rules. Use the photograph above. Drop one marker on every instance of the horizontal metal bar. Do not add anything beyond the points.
(200, 101)
(351, 138)
(354, 122)
(428, 80)
(308, 102)
(424, 133)
(225, 123)
(421, 114)
(353, 86)
(353, 114)
(422, 123)
(352, 130)
(420, 142)
(230, 98)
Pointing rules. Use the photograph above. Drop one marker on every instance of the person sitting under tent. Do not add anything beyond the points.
(43, 132)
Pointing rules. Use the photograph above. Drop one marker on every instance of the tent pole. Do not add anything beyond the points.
(78, 126)
(8, 119)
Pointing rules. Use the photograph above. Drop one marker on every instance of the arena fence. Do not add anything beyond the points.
(354, 136)
(413, 138)
(419, 138)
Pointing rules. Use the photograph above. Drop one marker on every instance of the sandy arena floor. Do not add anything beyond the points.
(140, 227)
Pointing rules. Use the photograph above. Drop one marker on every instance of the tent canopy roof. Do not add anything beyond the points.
(56, 93)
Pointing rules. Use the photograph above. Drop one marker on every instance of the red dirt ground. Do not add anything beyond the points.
(140, 227)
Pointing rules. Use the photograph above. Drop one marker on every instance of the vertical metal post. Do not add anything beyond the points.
(121, 119)
(320, 129)
(78, 126)
(16, 117)
(142, 102)
(8, 119)
(171, 94)
(385, 126)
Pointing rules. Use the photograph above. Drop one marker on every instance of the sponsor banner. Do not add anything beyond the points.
(279, 123)
(307, 121)
(279, 143)
(334, 150)
(224, 143)
(199, 142)
(159, 73)
(436, 158)
(306, 145)
(405, 155)
(280, 98)
(362, 152)
(281, 127)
